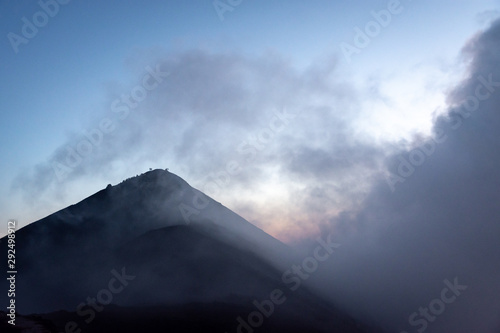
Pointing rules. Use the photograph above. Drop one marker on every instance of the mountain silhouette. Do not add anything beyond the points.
(152, 253)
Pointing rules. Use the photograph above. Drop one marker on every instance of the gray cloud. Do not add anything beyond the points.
(212, 109)
(441, 222)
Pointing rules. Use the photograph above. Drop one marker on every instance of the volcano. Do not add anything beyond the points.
(154, 254)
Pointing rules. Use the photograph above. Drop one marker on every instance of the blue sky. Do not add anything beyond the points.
(64, 79)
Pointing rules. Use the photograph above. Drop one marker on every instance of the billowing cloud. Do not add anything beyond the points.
(433, 217)
(226, 123)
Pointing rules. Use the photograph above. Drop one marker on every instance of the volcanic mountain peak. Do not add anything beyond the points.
(151, 179)
(137, 232)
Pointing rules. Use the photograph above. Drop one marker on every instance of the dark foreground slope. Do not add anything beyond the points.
(130, 259)
(186, 318)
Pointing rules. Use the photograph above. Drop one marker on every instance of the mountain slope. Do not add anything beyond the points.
(131, 246)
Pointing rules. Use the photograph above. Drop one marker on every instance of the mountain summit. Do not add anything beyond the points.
(153, 248)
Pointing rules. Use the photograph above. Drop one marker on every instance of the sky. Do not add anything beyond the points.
(231, 68)
(373, 121)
